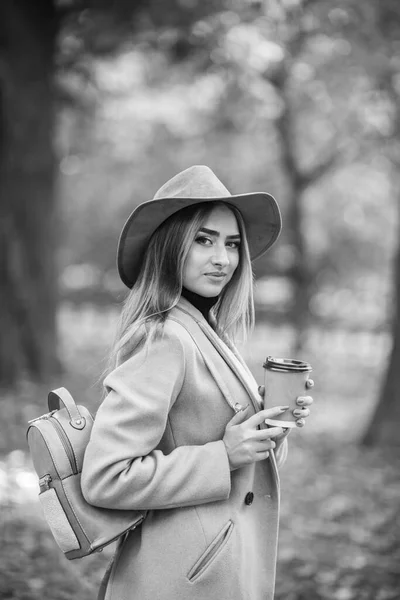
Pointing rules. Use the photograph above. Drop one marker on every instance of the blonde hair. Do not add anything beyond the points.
(159, 284)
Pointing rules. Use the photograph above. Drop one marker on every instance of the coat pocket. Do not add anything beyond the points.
(210, 553)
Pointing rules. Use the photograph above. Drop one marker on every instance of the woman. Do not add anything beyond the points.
(180, 432)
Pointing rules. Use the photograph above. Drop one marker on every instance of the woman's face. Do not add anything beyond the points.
(213, 255)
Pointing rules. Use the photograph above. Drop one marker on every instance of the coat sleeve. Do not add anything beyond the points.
(122, 468)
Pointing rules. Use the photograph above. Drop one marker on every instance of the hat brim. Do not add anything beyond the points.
(260, 213)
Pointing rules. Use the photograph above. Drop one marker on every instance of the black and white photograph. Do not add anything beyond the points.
(199, 300)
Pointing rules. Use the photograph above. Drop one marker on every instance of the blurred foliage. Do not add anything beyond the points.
(33, 567)
(340, 538)
(147, 110)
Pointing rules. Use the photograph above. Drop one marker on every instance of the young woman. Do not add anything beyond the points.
(181, 431)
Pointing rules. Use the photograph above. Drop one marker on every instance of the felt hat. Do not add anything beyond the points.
(192, 186)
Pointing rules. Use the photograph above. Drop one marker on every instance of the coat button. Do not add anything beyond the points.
(249, 498)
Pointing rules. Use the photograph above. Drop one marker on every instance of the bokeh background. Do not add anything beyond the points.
(101, 103)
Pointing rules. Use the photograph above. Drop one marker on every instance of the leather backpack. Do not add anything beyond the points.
(57, 442)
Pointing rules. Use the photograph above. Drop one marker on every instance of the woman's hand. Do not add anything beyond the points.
(245, 444)
(303, 402)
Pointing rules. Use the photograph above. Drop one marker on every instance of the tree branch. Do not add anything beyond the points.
(321, 169)
(337, 158)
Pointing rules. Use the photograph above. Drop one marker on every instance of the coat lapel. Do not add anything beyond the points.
(228, 352)
(188, 315)
(236, 363)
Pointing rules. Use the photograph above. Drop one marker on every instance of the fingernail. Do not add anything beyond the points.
(283, 408)
(297, 413)
(300, 401)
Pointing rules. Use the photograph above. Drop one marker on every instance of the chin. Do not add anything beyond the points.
(210, 291)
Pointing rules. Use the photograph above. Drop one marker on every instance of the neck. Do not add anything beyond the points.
(202, 303)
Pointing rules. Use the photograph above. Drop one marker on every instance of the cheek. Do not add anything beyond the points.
(235, 262)
(195, 259)
(189, 269)
(186, 272)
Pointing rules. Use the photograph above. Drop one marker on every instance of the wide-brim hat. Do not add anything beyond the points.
(197, 184)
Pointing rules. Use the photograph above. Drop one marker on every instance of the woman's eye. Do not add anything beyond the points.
(201, 239)
(234, 245)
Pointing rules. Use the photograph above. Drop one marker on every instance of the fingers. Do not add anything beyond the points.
(262, 445)
(239, 417)
(301, 413)
(267, 413)
(304, 400)
(257, 419)
(309, 384)
(266, 434)
(262, 455)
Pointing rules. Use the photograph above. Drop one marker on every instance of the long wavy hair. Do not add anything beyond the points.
(159, 284)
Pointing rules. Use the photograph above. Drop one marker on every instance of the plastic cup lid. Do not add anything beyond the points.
(286, 365)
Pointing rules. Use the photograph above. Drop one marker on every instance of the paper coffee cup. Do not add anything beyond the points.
(285, 380)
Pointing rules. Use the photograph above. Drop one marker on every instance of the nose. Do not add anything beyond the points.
(220, 256)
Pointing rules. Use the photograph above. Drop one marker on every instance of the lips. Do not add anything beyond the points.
(216, 274)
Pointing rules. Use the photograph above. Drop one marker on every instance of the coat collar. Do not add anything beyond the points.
(186, 306)
(224, 347)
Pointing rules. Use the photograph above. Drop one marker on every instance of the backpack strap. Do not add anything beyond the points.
(106, 578)
(62, 396)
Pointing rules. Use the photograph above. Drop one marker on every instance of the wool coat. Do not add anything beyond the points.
(156, 445)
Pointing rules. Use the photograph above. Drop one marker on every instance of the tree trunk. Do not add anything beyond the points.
(299, 272)
(27, 196)
(383, 429)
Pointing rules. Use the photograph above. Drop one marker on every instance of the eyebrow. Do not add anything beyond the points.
(216, 233)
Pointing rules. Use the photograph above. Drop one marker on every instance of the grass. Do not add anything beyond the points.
(340, 532)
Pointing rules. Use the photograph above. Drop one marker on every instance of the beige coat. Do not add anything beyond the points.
(210, 534)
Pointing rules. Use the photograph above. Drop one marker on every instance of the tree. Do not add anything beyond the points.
(27, 191)
(295, 31)
(383, 428)
(276, 48)
(29, 33)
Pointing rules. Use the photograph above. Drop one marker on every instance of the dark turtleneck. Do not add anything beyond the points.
(202, 303)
